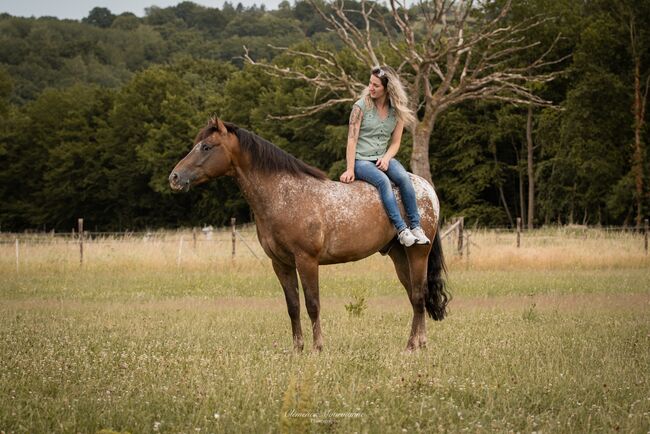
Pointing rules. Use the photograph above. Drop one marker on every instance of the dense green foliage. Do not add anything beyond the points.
(94, 114)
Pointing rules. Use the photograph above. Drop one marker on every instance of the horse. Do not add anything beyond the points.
(304, 220)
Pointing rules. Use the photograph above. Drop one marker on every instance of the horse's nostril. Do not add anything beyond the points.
(173, 177)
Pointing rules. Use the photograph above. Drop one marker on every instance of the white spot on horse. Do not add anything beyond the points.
(426, 194)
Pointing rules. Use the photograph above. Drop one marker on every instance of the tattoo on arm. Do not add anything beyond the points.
(355, 123)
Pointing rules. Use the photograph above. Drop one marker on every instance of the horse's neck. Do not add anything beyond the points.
(268, 193)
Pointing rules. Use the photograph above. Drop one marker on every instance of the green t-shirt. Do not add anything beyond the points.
(375, 133)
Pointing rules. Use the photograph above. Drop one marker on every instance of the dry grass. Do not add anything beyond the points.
(546, 249)
(553, 249)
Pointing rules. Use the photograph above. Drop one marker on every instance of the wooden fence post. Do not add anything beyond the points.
(233, 221)
(645, 236)
(518, 231)
(461, 221)
(18, 256)
(180, 252)
(80, 222)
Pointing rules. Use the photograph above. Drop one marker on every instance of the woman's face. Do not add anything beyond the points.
(377, 90)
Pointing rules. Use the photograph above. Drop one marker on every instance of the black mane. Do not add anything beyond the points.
(265, 156)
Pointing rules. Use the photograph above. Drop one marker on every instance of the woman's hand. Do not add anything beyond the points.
(347, 176)
(382, 163)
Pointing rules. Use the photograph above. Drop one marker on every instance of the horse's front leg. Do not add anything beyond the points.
(308, 269)
(289, 281)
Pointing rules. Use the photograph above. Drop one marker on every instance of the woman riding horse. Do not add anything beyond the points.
(377, 119)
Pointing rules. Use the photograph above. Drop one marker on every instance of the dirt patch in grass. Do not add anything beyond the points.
(564, 302)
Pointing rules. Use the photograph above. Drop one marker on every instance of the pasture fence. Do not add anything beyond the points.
(459, 237)
(214, 243)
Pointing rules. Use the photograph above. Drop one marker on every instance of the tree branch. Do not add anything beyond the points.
(455, 58)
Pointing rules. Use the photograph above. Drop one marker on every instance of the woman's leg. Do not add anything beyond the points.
(401, 178)
(367, 171)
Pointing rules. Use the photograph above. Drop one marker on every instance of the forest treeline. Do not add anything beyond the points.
(95, 113)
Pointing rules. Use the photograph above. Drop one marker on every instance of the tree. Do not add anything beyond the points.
(6, 86)
(568, 22)
(634, 17)
(448, 52)
(469, 162)
(75, 180)
(126, 21)
(100, 17)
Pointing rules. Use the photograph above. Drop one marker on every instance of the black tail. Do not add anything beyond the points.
(437, 297)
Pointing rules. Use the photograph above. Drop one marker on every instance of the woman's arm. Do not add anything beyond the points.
(395, 141)
(353, 136)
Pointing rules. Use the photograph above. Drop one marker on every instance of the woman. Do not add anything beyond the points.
(376, 125)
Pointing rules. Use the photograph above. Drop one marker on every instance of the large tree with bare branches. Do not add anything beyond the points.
(448, 52)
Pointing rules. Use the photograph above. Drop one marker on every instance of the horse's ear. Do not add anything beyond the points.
(220, 126)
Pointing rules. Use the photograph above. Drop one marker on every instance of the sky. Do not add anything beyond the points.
(77, 9)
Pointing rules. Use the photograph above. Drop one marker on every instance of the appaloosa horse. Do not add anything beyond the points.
(304, 220)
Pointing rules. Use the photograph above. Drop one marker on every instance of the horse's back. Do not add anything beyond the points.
(347, 201)
(355, 223)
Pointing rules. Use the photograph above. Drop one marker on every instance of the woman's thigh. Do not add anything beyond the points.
(369, 172)
(397, 173)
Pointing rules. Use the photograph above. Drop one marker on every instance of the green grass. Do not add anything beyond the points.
(226, 365)
(147, 348)
(340, 281)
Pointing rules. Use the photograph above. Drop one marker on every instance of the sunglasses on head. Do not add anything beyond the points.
(379, 72)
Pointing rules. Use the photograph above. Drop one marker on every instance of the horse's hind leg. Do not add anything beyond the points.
(289, 281)
(308, 271)
(411, 271)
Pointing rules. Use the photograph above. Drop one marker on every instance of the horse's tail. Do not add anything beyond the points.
(437, 297)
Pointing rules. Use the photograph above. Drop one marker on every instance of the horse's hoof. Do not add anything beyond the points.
(410, 348)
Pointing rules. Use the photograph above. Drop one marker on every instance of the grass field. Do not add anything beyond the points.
(554, 336)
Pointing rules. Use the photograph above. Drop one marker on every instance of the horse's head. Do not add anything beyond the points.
(211, 156)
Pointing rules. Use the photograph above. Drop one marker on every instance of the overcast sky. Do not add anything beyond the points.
(77, 9)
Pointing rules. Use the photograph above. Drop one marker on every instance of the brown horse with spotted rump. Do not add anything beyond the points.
(305, 220)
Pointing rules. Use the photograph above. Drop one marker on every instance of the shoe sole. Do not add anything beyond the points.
(407, 245)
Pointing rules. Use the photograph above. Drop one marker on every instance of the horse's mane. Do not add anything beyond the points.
(265, 156)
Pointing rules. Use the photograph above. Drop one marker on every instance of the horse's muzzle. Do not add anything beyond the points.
(178, 182)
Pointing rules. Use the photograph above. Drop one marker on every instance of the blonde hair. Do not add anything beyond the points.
(396, 94)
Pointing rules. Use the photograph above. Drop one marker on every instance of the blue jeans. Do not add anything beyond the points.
(369, 172)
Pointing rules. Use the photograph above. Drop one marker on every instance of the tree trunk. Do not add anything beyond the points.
(531, 172)
(573, 203)
(501, 194)
(522, 201)
(420, 155)
(637, 158)
(505, 206)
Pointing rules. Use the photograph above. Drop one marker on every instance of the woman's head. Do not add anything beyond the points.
(377, 87)
(385, 81)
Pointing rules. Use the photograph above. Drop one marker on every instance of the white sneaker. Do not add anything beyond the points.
(406, 238)
(420, 235)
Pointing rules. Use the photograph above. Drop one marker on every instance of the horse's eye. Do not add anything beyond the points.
(205, 147)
